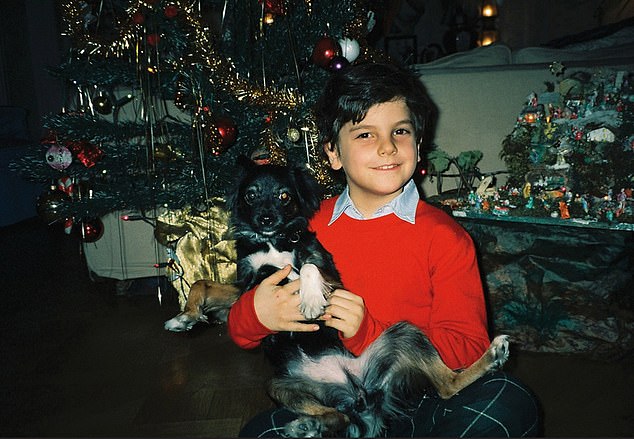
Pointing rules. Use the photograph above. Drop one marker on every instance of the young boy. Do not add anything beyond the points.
(399, 259)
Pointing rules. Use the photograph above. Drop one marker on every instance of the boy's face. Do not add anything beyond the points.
(378, 155)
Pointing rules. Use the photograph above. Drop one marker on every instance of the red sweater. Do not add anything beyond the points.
(425, 273)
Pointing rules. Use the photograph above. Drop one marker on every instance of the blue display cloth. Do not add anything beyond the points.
(556, 285)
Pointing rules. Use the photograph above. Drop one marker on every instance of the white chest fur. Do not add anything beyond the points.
(272, 257)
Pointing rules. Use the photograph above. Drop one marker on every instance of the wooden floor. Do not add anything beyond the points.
(79, 360)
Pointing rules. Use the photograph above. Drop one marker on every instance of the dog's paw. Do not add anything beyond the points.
(304, 426)
(499, 351)
(183, 322)
(312, 291)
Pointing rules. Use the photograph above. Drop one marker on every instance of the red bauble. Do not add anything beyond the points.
(153, 39)
(91, 230)
(138, 18)
(275, 7)
(87, 153)
(325, 50)
(228, 130)
(170, 11)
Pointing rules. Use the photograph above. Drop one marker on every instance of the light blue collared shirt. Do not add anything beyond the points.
(403, 206)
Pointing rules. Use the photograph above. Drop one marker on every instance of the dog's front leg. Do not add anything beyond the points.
(204, 297)
(313, 291)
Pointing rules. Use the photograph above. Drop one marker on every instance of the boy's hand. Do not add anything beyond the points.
(345, 312)
(277, 306)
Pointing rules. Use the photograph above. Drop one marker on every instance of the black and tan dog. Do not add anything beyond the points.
(333, 391)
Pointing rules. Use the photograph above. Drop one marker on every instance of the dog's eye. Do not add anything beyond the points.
(250, 197)
(285, 198)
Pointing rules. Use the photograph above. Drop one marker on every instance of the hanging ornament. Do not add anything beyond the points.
(228, 131)
(65, 184)
(276, 152)
(325, 49)
(138, 18)
(170, 11)
(153, 39)
(91, 230)
(103, 104)
(275, 7)
(350, 49)
(293, 135)
(260, 156)
(68, 226)
(49, 205)
(49, 139)
(87, 153)
(338, 63)
(167, 152)
(219, 133)
(58, 157)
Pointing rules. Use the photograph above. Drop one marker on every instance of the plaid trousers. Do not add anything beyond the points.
(496, 405)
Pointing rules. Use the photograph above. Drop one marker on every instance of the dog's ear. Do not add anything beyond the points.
(244, 165)
(309, 190)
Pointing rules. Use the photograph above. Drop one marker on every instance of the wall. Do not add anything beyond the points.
(29, 43)
(521, 23)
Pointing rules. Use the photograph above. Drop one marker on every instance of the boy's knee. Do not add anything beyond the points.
(513, 405)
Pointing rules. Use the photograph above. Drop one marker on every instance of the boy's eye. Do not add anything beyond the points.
(402, 131)
(363, 136)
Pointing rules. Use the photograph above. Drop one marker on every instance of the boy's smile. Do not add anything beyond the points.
(378, 155)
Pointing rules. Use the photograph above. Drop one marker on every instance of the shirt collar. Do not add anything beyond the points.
(403, 206)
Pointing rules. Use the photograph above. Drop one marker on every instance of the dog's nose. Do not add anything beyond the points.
(266, 220)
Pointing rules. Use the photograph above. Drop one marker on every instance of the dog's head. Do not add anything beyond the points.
(270, 197)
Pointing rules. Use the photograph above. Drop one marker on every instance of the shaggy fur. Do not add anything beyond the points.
(334, 392)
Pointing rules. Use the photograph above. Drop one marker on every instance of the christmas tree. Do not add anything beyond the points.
(164, 95)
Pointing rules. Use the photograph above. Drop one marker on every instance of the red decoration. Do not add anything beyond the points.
(91, 230)
(138, 18)
(275, 7)
(68, 226)
(325, 50)
(153, 39)
(49, 139)
(87, 153)
(170, 11)
(228, 131)
(65, 184)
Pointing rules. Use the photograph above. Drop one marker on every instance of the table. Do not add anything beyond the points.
(555, 285)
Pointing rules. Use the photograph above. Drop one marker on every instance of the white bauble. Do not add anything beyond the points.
(349, 49)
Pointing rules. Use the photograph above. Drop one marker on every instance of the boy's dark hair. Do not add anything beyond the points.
(349, 94)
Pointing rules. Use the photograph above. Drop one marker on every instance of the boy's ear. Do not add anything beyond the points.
(333, 155)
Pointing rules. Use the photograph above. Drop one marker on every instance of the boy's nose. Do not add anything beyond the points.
(387, 147)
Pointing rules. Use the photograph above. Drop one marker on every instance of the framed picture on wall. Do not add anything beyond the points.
(402, 48)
